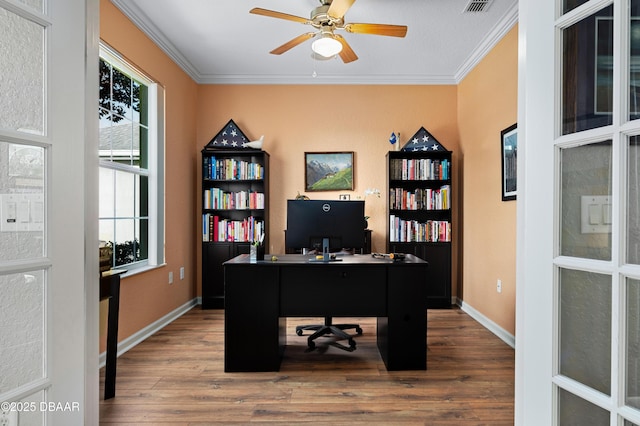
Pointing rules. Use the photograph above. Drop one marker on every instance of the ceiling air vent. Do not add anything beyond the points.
(477, 6)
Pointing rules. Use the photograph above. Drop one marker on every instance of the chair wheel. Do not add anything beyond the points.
(311, 345)
(358, 330)
(299, 332)
(352, 344)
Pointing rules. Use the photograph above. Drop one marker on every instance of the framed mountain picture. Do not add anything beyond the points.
(328, 171)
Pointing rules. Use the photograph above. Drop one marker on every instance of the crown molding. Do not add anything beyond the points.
(507, 22)
(328, 79)
(138, 17)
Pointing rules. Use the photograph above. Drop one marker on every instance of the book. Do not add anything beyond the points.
(419, 169)
(216, 228)
(401, 230)
(420, 198)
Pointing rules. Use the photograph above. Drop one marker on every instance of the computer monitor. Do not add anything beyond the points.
(339, 223)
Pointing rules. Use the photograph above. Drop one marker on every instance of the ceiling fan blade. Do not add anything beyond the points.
(280, 15)
(339, 7)
(377, 29)
(292, 43)
(346, 54)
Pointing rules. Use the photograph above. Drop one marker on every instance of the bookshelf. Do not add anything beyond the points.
(235, 206)
(235, 196)
(419, 213)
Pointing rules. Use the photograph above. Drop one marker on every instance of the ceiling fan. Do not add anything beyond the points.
(326, 19)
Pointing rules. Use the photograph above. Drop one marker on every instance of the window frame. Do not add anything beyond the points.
(155, 170)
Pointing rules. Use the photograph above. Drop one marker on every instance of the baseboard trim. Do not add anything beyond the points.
(504, 335)
(141, 335)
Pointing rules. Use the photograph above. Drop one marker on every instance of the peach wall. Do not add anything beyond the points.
(487, 104)
(299, 118)
(147, 296)
(467, 119)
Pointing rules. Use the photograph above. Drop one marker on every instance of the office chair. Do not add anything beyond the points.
(329, 328)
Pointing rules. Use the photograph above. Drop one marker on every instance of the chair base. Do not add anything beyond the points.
(328, 328)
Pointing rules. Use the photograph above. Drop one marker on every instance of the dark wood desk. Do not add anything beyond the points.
(110, 289)
(260, 295)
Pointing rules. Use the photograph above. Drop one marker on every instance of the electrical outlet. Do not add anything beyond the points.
(499, 286)
(182, 272)
(8, 418)
(170, 277)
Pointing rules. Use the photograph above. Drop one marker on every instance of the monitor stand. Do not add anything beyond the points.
(326, 256)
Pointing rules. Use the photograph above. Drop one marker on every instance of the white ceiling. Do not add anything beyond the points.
(220, 42)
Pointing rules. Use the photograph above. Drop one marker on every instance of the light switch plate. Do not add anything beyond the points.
(595, 214)
(21, 212)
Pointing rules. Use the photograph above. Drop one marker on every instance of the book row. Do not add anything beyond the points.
(231, 169)
(419, 169)
(216, 198)
(401, 231)
(215, 228)
(420, 199)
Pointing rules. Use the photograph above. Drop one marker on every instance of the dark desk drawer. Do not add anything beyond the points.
(333, 290)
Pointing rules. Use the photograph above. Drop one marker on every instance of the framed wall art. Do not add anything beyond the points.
(509, 153)
(328, 171)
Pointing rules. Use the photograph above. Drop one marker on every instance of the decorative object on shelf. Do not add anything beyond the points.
(327, 18)
(301, 197)
(328, 171)
(423, 141)
(509, 154)
(231, 137)
(394, 140)
(257, 144)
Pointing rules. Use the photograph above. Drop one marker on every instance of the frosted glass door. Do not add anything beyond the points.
(24, 266)
(597, 262)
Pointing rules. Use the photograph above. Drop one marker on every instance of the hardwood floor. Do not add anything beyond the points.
(176, 377)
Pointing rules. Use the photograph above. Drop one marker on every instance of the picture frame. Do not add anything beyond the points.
(328, 171)
(509, 156)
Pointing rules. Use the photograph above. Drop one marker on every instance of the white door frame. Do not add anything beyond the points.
(535, 213)
(73, 219)
(92, 292)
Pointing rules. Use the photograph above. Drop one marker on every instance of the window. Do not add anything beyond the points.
(131, 114)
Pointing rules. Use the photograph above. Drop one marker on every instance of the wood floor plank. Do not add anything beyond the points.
(176, 378)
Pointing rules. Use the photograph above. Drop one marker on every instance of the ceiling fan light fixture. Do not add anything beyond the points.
(326, 18)
(326, 46)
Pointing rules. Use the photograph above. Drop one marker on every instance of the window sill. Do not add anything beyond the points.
(140, 270)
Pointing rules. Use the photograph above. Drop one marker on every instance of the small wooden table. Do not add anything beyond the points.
(110, 289)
